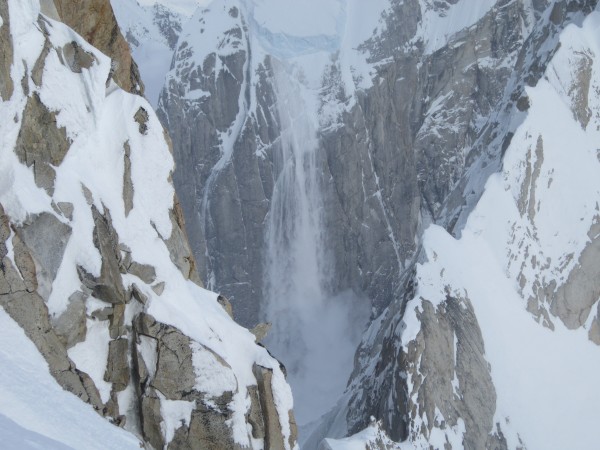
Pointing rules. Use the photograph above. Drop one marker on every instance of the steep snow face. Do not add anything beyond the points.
(442, 20)
(113, 266)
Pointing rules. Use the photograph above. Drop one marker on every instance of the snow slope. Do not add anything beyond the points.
(543, 206)
(35, 412)
(108, 129)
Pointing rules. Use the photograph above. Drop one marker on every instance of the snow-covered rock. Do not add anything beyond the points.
(96, 268)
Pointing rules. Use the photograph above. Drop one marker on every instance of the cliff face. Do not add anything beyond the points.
(218, 104)
(440, 372)
(392, 149)
(95, 263)
(413, 121)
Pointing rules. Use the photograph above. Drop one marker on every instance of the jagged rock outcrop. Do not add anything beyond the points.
(95, 265)
(95, 21)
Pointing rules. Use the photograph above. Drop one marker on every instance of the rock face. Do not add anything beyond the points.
(94, 257)
(96, 23)
(152, 32)
(410, 155)
(449, 99)
(207, 96)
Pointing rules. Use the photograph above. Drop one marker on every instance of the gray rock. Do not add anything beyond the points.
(231, 223)
(102, 314)
(573, 300)
(95, 21)
(41, 143)
(260, 331)
(255, 417)
(66, 209)
(179, 247)
(144, 272)
(151, 419)
(48, 8)
(77, 58)
(47, 237)
(141, 117)
(273, 431)
(116, 319)
(30, 312)
(226, 304)
(174, 371)
(71, 326)
(109, 285)
(25, 264)
(6, 56)
(127, 183)
(159, 288)
(117, 369)
(594, 333)
(208, 430)
(138, 295)
(37, 72)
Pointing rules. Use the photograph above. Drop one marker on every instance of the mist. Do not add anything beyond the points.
(315, 332)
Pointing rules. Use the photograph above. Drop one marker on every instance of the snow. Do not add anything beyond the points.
(35, 412)
(16, 437)
(184, 7)
(371, 437)
(91, 355)
(212, 377)
(544, 379)
(100, 121)
(437, 26)
(298, 18)
(147, 348)
(175, 413)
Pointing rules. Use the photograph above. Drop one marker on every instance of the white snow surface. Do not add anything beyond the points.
(99, 121)
(36, 413)
(371, 437)
(546, 381)
(438, 25)
(184, 7)
(91, 355)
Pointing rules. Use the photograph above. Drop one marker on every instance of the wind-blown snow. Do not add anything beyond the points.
(314, 332)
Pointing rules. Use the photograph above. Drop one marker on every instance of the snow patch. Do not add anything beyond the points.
(175, 414)
(91, 355)
(35, 412)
